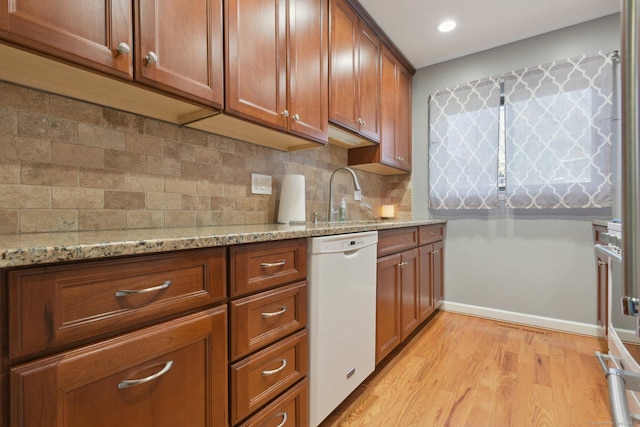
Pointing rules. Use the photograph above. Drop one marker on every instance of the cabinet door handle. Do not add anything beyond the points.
(284, 418)
(131, 383)
(601, 263)
(125, 292)
(403, 264)
(296, 117)
(151, 58)
(275, 313)
(436, 252)
(123, 48)
(275, 371)
(273, 264)
(285, 113)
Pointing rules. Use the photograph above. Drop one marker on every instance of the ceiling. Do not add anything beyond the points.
(482, 24)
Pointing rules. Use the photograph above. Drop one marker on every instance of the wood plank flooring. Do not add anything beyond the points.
(466, 371)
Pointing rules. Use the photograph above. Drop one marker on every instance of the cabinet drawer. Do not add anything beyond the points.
(181, 363)
(264, 375)
(259, 320)
(397, 240)
(289, 410)
(59, 305)
(430, 233)
(259, 266)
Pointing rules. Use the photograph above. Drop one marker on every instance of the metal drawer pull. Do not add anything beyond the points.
(131, 383)
(403, 264)
(275, 313)
(275, 371)
(273, 264)
(284, 418)
(125, 292)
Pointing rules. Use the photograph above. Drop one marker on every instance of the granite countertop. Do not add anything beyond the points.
(41, 248)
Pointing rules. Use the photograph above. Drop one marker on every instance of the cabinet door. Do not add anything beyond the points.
(388, 109)
(403, 119)
(308, 63)
(84, 32)
(343, 95)
(410, 315)
(256, 68)
(438, 274)
(179, 47)
(369, 83)
(425, 281)
(171, 374)
(388, 301)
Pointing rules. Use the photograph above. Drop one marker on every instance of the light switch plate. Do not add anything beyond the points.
(260, 184)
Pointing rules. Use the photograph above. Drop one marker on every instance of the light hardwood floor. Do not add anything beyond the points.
(466, 371)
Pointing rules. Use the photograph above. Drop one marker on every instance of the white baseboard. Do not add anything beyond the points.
(524, 319)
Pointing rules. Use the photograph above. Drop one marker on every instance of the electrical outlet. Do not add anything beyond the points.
(260, 184)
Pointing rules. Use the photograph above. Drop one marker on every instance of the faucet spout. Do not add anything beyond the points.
(356, 184)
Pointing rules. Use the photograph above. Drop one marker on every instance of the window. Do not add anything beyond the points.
(551, 133)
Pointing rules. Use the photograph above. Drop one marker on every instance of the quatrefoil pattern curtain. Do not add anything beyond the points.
(556, 133)
(463, 146)
(558, 120)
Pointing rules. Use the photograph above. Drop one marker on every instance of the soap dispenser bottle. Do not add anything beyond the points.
(342, 211)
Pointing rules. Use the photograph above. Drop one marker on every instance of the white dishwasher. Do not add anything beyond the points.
(342, 317)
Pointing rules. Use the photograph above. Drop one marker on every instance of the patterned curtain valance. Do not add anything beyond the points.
(463, 146)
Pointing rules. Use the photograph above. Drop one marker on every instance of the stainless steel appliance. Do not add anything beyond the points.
(620, 365)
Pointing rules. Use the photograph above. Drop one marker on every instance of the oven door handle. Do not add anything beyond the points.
(605, 250)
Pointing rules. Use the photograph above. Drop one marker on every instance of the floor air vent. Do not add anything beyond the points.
(520, 328)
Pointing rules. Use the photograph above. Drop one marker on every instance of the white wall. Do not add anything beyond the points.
(533, 263)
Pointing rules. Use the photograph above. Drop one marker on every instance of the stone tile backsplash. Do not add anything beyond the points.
(67, 165)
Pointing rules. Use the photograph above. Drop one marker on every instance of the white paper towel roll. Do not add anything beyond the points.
(292, 198)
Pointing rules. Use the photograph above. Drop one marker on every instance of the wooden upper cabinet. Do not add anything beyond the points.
(369, 75)
(395, 144)
(179, 48)
(277, 64)
(354, 101)
(393, 154)
(309, 68)
(83, 32)
(178, 45)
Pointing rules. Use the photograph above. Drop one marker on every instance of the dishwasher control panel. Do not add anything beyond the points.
(344, 242)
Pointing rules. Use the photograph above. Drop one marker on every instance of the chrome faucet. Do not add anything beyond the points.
(356, 184)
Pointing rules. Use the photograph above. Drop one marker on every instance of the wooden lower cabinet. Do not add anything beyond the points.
(388, 328)
(269, 356)
(410, 284)
(171, 374)
(438, 274)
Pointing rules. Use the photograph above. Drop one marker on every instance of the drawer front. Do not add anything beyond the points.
(262, 319)
(397, 240)
(171, 374)
(61, 305)
(430, 233)
(289, 410)
(259, 266)
(264, 375)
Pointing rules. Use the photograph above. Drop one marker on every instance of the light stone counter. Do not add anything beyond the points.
(42, 248)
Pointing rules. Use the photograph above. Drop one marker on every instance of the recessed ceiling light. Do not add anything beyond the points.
(446, 26)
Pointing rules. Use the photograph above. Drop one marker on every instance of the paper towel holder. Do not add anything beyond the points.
(292, 200)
